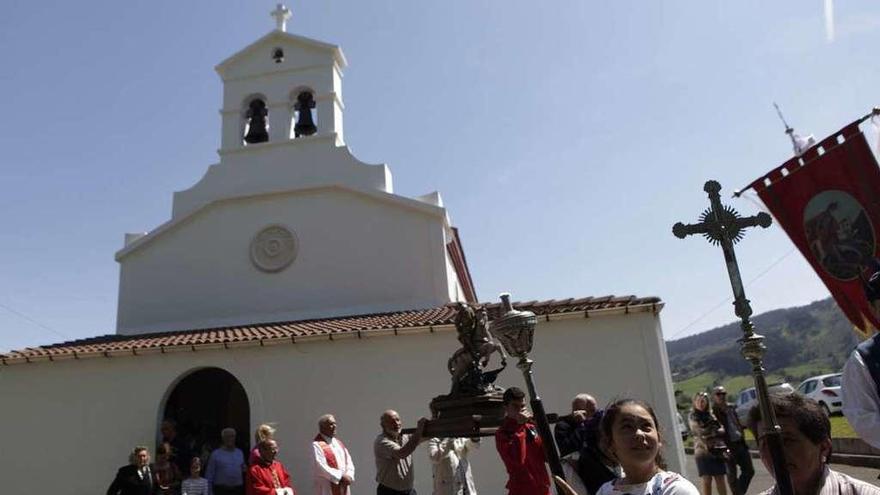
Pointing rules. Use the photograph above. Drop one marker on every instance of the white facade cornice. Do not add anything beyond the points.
(292, 70)
(330, 138)
(338, 56)
(170, 225)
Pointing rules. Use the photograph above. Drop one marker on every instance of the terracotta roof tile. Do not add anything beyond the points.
(354, 325)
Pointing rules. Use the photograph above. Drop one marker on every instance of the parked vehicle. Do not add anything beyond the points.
(749, 397)
(824, 389)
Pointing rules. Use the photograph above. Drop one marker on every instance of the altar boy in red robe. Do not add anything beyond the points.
(521, 448)
(268, 476)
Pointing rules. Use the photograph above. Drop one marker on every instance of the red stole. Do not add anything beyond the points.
(331, 459)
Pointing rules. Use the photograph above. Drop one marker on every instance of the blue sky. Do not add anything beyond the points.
(565, 137)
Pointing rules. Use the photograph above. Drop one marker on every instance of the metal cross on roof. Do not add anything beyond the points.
(722, 225)
(281, 15)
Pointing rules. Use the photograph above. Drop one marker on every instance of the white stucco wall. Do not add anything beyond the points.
(81, 418)
(295, 164)
(357, 254)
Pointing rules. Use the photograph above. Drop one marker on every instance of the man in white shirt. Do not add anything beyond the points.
(332, 467)
(859, 390)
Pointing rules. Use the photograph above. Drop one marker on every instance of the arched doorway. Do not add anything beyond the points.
(204, 402)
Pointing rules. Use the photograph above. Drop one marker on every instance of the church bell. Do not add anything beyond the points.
(305, 126)
(257, 131)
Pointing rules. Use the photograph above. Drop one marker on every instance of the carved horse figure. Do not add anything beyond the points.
(477, 346)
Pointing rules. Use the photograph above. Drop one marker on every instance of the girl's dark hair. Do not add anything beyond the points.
(606, 427)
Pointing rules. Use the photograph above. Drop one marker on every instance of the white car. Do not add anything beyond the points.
(824, 389)
(749, 397)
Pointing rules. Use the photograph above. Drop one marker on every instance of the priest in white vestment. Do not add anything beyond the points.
(332, 468)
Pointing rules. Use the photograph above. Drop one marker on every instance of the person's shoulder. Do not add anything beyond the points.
(566, 422)
(606, 489)
(382, 441)
(676, 484)
(859, 487)
(128, 468)
(508, 426)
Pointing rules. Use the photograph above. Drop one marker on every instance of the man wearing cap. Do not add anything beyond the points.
(733, 436)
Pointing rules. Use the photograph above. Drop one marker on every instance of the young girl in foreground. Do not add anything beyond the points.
(630, 437)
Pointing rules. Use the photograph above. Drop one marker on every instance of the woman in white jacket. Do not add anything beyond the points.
(452, 471)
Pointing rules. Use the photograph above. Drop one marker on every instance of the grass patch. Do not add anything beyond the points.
(806, 370)
(734, 384)
(737, 384)
(695, 384)
(840, 428)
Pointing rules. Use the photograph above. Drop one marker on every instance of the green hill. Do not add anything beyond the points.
(801, 342)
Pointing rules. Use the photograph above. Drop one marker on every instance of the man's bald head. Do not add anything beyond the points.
(390, 422)
(584, 402)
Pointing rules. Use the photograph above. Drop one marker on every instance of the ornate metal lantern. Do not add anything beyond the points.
(515, 329)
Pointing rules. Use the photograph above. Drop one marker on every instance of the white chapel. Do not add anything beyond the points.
(291, 281)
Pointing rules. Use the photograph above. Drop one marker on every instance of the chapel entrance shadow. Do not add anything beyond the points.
(202, 403)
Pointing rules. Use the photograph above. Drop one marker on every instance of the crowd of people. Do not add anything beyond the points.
(610, 451)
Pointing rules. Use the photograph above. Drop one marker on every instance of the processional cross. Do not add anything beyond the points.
(722, 225)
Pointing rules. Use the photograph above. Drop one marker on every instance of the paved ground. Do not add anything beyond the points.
(763, 480)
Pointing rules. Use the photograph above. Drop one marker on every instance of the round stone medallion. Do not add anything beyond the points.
(274, 248)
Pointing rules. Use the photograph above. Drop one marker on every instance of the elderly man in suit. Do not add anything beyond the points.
(137, 478)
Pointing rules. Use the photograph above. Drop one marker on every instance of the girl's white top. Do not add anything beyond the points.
(662, 483)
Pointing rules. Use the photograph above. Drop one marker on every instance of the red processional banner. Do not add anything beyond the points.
(828, 202)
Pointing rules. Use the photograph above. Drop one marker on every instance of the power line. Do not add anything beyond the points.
(33, 321)
(728, 300)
